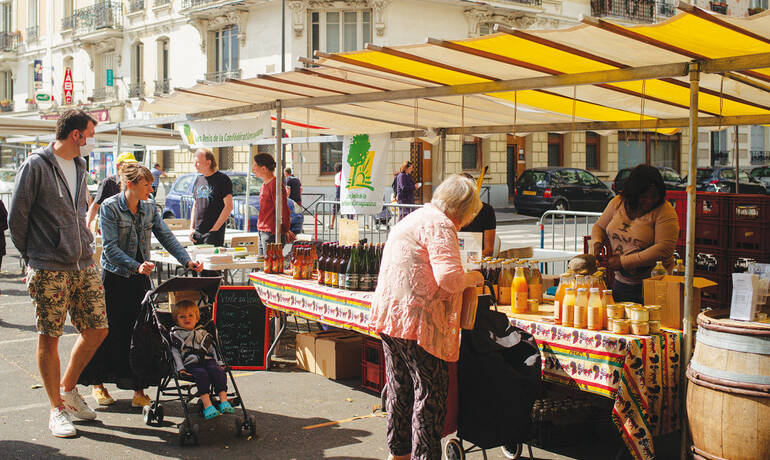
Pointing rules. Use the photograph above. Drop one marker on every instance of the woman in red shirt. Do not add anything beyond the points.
(264, 168)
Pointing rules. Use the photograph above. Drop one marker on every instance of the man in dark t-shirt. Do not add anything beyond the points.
(486, 224)
(213, 195)
(294, 185)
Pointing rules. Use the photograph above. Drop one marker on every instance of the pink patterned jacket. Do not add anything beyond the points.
(419, 290)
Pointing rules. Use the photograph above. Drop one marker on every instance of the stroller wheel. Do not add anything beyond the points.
(235, 402)
(245, 428)
(454, 450)
(512, 451)
(188, 435)
(159, 414)
(148, 415)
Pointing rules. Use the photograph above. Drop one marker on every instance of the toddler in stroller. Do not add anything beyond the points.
(194, 356)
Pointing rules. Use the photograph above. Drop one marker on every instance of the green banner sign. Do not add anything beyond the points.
(109, 77)
(42, 97)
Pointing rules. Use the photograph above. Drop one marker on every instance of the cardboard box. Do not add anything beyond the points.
(338, 357)
(549, 281)
(306, 348)
(668, 291)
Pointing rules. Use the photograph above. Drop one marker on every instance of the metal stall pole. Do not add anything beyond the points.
(689, 270)
(737, 177)
(117, 145)
(278, 169)
(246, 216)
(443, 154)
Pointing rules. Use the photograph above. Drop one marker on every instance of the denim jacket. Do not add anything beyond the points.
(120, 240)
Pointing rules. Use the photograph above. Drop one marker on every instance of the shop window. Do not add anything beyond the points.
(555, 149)
(719, 150)
(592, 151)
(645, 147)
(331, 154)
(471, 155)
(333, 31)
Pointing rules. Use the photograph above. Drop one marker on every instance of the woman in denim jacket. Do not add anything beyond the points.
(126, 222)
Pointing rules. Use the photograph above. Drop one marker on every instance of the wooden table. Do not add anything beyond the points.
(249, 263)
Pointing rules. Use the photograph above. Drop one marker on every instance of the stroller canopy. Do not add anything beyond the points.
(208, 285)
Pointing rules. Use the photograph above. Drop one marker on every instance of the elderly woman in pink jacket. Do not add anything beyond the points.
(416, 311)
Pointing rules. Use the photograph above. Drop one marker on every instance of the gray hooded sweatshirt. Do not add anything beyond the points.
(47, 228)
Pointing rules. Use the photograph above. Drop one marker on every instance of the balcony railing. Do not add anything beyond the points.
(161, 2)
(222, 76)
(760, 157)
(33, 33)
(162, 87)
(6, 105)
(136, 89)
(135, 6)
(718, 7)
(642, 11)
(719, 158)
(106, 92)
(195, 3)
(9, 41)
(104, 15)
(67, 23)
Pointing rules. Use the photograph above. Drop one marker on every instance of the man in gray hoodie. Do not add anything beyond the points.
(48, 226)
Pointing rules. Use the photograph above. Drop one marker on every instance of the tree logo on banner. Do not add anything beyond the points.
(189, 133)
(360, 159)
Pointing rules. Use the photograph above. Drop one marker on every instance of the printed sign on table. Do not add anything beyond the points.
(364, 162)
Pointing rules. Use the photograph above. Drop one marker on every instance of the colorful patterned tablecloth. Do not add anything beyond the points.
(308, 299)
(641, 373)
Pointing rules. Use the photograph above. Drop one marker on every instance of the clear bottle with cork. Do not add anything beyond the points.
(519, 291)
(658, 270)
(678, 268)
(580, 314)
(505, 282)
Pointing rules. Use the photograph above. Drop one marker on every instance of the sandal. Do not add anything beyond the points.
(102, 396)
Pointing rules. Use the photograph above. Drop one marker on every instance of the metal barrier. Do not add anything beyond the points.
(569, 231)
(185, 206)
(375, 228)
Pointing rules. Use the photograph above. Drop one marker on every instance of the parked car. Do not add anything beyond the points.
(722, 179)
(762, 174)
(541, 189)
(8, 177)
(671, 178)
(179, 200)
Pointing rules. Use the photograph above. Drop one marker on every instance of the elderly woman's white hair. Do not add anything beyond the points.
(458, 198)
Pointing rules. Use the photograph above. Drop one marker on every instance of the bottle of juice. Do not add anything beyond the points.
(580, 314)
(658, 270)
(597, 281)
(607, 299)
(564, 282)
(505, 282)
(535, 283)
(568, 307)
(595, 310)
(520, 291)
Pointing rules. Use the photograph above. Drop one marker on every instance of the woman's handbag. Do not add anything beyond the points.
(146, 356)
(471, 301)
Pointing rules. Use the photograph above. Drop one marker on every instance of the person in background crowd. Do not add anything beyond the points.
(338, 188)
(48, 227)
(126, 221)
(157, 173)
(264, 168)
(416, 311)
(405, 187)
(110, 186)
(3, 228)
(484, 223)
(294, 185)
(641, 228)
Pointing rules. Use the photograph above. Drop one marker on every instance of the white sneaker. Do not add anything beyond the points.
(74, 405)
(60, 425)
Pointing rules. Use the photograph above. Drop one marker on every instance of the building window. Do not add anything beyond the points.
(592, 151)
(334, 31)
(331, 154)
(719, 151)
(136, 88)
(635, 148)
(5, 17)
(162, 82)
(226, 158)
(759, 153)
(226, 49)
(33, 20)
(168, 160)
(6, 85)
(471, 155)
(555, 149)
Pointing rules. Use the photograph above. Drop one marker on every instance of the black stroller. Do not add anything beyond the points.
(498, 383)
(151, 357)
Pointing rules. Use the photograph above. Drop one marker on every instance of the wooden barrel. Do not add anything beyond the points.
(728, 395)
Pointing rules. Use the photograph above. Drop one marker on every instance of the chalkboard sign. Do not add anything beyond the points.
(242, 320)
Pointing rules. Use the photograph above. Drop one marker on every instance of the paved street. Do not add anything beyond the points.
(283, 401)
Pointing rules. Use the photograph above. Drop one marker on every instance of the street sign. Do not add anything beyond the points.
(68, 86)
(43, 97)
(109, 77)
